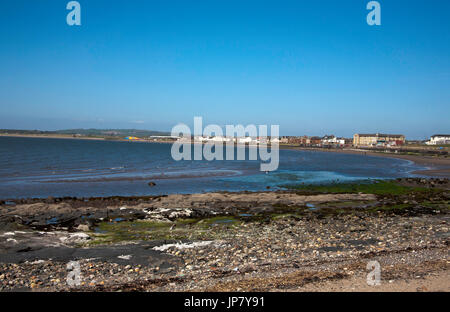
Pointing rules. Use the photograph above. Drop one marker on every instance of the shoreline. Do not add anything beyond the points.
(266, 241)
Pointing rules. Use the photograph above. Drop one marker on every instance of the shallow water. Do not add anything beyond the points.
(35, 167)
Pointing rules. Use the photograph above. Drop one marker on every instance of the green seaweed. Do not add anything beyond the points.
(198, 229)
(378, 187)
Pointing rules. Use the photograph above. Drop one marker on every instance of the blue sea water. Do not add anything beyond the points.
(42, 167)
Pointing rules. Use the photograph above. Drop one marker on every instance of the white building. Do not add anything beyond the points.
(199, 138)
(328, 139)
(439, 139)
(332, 140)
(245, 140)
(219, 139)
(212, 139)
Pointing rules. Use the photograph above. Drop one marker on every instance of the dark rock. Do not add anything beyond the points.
(50, 200)
(151, 183)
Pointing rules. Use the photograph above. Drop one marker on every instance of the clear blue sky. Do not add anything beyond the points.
(313, 67)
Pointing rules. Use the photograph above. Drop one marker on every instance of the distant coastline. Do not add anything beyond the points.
(50, 136)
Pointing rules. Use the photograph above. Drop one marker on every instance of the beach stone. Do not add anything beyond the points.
(83, 227)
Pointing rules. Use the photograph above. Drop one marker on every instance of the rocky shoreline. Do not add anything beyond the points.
(305, 238)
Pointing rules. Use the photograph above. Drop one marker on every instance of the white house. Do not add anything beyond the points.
(439, 139)
(332, 140)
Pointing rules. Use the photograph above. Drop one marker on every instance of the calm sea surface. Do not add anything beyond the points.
(32, 167)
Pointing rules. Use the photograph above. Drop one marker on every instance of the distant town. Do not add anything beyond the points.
(358, 140)
(374, 140)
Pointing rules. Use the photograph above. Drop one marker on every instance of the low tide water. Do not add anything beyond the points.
(42, 167)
